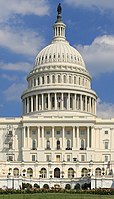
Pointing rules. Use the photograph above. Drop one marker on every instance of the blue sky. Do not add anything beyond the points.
(26, 27)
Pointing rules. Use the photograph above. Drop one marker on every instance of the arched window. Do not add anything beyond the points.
(84, 172)
(70, 79)
(64, 78)
(43, 80)
(50, 57)
(43, 173)
(53, 78)
(83, 81)
(70, 173)
(29, 172)
(33, 144)
(68, 144)
(97, 172)
(38, 81)
(56, 173)
(48, 144)
(58, 144)
(48, 79)
(74, 79)
(59, 79)
(16, 172)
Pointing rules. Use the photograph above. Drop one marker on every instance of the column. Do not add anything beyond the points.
(74, 102)
(42, 101)
(49, 103)
(68, 102)
(25, 108)
(56, 101)
(43, 137)
(95, 106)
(53, 144)
(27, 105)
(78, 138)
(31, 103)
(63, 137)
(38, 141)
(74, 139)
(88, 137)
(90, 104)
(62, 99)
(92, 137)
(36, 102)
(81, 103)
(28, 137)
(23, 137)
(86, 103)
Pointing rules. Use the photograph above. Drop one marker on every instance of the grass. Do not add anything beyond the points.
(55, 196)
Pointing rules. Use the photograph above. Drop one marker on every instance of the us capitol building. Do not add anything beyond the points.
(58, 140)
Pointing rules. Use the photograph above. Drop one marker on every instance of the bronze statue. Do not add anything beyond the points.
(59, 9)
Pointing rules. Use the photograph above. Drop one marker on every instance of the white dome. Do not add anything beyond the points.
(59, 51)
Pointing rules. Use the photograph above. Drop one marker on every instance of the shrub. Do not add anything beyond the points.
(46, 186)
(77, 186)
(84, 186)
(26, 186)
(36, 185)
(67, 186)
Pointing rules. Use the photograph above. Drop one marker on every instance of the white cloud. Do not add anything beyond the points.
(19, 66)
(105, 110)
(8, 77)
(99, 55)
(13, 93)
(20, 41)
(100, 4)
(24, 7)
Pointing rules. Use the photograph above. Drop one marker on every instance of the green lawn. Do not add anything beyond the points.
(54, 196)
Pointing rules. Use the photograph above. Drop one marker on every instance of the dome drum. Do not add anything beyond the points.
(59, 101)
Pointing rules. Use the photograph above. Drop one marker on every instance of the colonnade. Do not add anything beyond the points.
(41, 137)
(59, 101)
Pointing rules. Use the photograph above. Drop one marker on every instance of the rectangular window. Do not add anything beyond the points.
(57, 158)
(68, 158)
(106, 132)
(82, 158)
(106, 145)
(106, 158)
(10, 133)
(48, 132)
(10, 145)
(33, 132)
(48, 158)
(68, 132)
(10, 158)
(58, 132)
(33, 158)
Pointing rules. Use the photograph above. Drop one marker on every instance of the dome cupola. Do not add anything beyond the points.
(59, 82)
